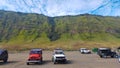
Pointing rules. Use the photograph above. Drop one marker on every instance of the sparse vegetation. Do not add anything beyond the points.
(21, 31)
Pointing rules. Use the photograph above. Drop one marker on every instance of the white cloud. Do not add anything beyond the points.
(52, 7)
(73, 6)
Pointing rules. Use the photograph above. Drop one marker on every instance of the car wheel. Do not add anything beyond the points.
(28, 63)
(41, 60)
(115, 56)
(101, 56)
(82, 52)
(54, 62)
(65, 62)
(5, 60)
(90, 53)
(112, 56)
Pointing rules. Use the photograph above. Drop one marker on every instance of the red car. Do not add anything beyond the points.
(35, 56)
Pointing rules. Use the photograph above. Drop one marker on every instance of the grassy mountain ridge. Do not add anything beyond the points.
(42, 31)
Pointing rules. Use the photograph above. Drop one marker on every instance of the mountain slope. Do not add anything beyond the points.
(12, 24)
(35, 29)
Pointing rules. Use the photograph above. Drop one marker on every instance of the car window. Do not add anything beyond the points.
(0, 52)
(105, 51)
(59, 53)
(35, 52)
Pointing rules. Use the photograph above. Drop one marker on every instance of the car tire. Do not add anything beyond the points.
(41, 60)
(5, 60)
(116, 56)
(54, 62)
(112, 56)
(82, 52)
(28, 63)
(101, 56)
(65, 62)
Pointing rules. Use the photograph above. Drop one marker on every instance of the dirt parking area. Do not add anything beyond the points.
(75, 60)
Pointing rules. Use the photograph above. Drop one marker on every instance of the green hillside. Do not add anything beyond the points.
(24, 31)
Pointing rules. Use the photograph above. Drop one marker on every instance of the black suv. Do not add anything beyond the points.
(3, 55)
(105, 52)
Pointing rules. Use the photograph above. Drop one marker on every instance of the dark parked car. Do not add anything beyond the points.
(3, 55)
(106, 52)
(35, 56)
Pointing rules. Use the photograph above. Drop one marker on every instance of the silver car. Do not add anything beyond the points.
(85, 51)
(58, 56)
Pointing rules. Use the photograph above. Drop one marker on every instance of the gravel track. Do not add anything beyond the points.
(75, 60)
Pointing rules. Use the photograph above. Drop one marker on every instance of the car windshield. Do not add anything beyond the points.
(0, 52)
(104, 51)
(85, 49)
(59, 52)
(35, 52)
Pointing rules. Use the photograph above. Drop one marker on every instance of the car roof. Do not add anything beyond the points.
(2, 50)
(36, 49)
(103, 48)
(58, 50)
(83, 48)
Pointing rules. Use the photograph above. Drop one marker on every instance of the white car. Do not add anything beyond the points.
(58, 56)
(85, 51)
(119, 58)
